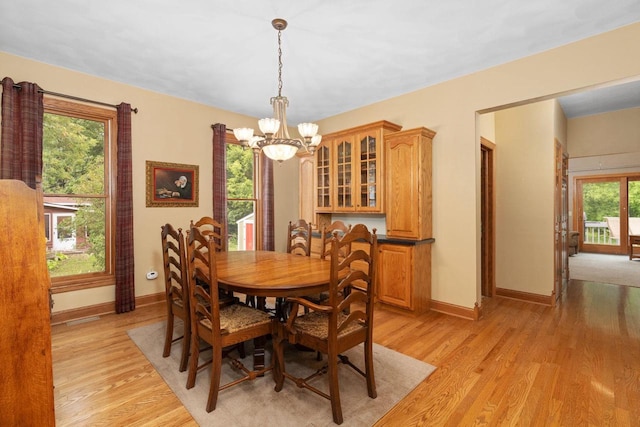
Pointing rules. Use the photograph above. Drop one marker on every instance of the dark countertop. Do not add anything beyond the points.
(393, 240)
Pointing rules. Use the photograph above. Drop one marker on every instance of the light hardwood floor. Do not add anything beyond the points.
(521, 364)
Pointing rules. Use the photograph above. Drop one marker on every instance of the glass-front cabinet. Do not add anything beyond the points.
(323, 177)
(344, 168)
(349, 169)
(370, 183)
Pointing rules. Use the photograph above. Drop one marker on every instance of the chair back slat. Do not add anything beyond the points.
(356, 286)
(212, 229)
(204, 279)
(174, 264)
(299, 238)
(336, 228)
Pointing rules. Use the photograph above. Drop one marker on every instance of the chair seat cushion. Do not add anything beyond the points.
(317, 324)
(236, 317)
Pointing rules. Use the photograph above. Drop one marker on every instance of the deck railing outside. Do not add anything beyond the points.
(598, 233)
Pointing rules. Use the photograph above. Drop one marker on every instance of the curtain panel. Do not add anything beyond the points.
(267, 201)
(219, 187)
(21, 139)
(125, 273)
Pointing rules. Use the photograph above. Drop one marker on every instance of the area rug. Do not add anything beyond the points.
(603, 268)
(257, 403)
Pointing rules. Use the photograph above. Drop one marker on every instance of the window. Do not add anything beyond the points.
(241, 198)
(78, 157)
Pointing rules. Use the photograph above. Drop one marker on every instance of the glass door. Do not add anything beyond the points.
(634, 206)
(601, 214)
(344, 168)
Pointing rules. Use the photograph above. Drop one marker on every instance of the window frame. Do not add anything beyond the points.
(623, 179)
(53, 105)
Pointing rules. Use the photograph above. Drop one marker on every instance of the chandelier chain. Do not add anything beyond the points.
(279, 62)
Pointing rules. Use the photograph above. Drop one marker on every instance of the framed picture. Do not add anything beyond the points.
(171, 184)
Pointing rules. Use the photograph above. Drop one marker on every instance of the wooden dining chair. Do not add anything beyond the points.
(338, 229)
(298, 243)
(220, 326)
(215, 231)
(328, 232)
(344, 323)
(176, 285)
(299, 238)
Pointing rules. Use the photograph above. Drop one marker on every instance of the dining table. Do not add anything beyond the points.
(271, 274)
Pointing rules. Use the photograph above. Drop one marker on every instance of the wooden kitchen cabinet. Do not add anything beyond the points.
(408, 181)
(322, 182)
(306, 170)
(404, 276)
(349, 168)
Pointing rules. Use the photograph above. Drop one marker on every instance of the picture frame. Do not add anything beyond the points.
(171, 184)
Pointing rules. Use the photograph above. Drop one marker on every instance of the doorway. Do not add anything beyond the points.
(64, 237)
(487, 218)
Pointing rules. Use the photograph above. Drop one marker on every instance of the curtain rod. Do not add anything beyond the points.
(76, 98)
(228, 130)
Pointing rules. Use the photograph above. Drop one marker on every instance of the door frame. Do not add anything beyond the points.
(487, 218)
(623, 179)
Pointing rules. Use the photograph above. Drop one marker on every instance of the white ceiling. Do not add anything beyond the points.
(338, 55)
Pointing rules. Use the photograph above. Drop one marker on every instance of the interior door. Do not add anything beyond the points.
(565, 223)
(561, 213)
(487, 213)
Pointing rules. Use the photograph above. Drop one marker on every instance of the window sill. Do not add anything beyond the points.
(59, 286)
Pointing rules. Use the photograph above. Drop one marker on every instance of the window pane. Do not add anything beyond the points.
(241, 225)
(601, 206)
(77, 244)
(72, 155)
(239, 172)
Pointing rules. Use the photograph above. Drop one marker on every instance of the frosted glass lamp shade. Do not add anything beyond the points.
(280, 152)
(243, 134)
(308, 130)
(269, 126)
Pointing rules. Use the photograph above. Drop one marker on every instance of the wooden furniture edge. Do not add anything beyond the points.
(380, 124)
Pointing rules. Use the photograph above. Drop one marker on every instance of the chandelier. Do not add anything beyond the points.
(275, 141)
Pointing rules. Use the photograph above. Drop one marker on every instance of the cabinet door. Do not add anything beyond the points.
(344, 165)
(324, 200)
(402, 185)
(307, 170)
(395, 275)
(408, 178)
(369, 183)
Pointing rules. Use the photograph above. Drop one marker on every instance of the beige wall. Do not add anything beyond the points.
(617, 132)
(524, 203)
(560, 126)
(165, 126)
